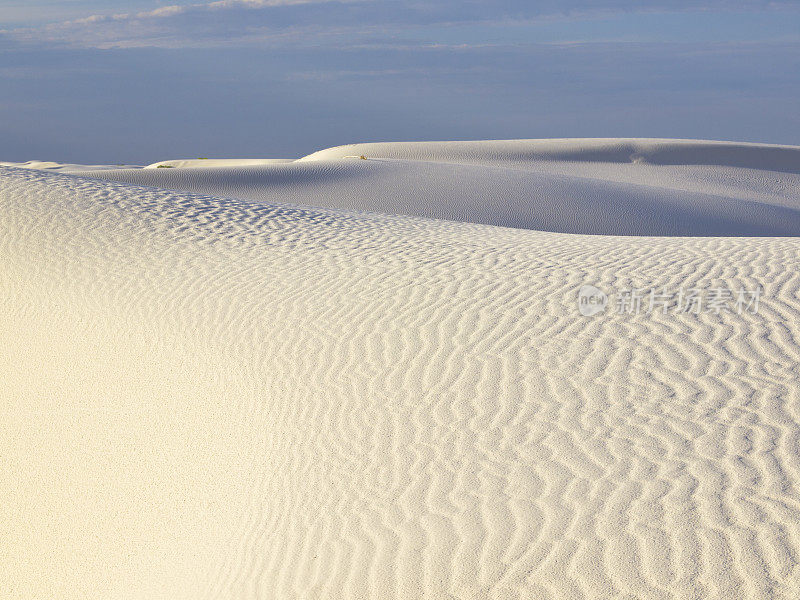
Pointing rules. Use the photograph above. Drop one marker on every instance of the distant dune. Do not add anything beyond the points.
(607, 187)
(295, 380)
(769, 157)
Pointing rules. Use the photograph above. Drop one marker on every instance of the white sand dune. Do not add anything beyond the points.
(210, 397)
(569, 186)
(594, 150)
(56, 167)
(210, 163)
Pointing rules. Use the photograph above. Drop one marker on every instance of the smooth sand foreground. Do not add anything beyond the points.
(210, 397)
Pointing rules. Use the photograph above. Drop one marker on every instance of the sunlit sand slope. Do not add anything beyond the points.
(215, 398)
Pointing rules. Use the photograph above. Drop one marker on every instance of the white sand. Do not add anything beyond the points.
(210, 163)
(611, 187)
(206, 397)
(55, 167)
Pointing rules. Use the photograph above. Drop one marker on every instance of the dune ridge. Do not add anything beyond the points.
(212, 397)
(601, 187)
(654, 151)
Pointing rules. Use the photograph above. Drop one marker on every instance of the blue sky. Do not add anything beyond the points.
(142, 80)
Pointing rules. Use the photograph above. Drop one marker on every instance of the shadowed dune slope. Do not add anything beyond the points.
(604, 187)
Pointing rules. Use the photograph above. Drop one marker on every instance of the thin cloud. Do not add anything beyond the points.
(202, 24)
(180, 9)
(298, 22)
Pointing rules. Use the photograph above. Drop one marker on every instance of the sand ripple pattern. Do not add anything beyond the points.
(215, 398)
